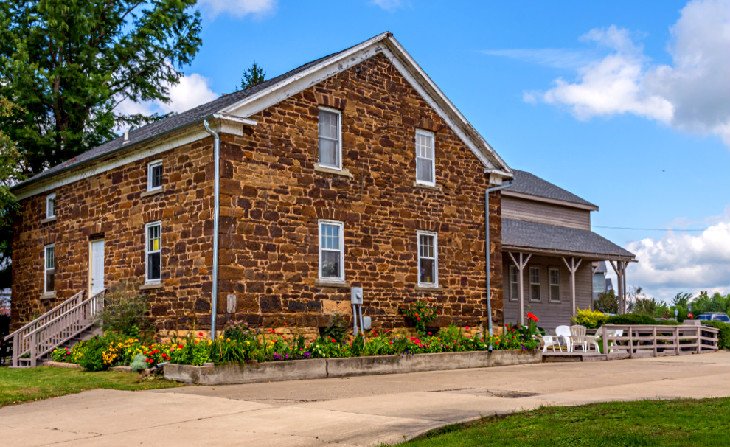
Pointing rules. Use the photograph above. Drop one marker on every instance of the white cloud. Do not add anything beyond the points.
(191, 91)
(551, 57)
(388, 5)
(238, 8)
(693, 93)
(680, 262)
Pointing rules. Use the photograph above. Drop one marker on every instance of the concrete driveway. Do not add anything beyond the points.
(349, 412)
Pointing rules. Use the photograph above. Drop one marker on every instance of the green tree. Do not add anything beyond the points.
(253, 75)
(606, 302)
(68, 64)
(10, 173)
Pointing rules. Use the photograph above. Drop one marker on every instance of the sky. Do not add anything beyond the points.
(625, 103)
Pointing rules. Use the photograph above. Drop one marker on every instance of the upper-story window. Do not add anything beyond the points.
(50, 206)
(331, 250)
(425, 158)
(330, 138)
(554, 279)
(154, 175)
(153, 252)
(49, 268)
(534, 283)
(428, 259)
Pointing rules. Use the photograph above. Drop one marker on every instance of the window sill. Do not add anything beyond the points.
(152, 192)
(426, 186)
(332, 284)
(48, 295)
(343, 172)
(429, 288)
(151, 286)
(48, 219)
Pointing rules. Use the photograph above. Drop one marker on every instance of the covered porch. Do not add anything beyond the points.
(549, 270)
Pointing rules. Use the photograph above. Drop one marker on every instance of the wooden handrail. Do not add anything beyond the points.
(59, 317)
(35, 320)
(659, 339)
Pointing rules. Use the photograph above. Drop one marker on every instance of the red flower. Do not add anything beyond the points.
(200, 334)
(180, 346)
(467, 328)
(429, 333)
(532, 317)
(333, 340)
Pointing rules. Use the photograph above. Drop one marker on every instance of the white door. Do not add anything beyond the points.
(96, 266)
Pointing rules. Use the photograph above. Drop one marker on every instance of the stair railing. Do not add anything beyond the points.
(55, 327)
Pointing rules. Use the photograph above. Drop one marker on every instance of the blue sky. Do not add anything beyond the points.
(620, 102)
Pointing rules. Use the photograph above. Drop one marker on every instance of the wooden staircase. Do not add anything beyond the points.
(65, 322)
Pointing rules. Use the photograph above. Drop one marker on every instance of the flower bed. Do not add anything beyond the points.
(242, 345)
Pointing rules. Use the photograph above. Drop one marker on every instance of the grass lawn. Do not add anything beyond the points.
(26, 384)
(644, 423)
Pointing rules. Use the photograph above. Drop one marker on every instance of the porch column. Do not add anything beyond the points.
(572, 268)
(620, 268)
(521, 280)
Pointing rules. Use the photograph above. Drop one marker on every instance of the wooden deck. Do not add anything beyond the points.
(580, 356)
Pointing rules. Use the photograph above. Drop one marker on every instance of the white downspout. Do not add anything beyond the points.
(487, 244)
(216, 213)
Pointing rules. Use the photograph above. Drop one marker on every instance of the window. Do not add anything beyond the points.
(513, 283)
(153, 252)
(331, 251)
(425, 167)
(427, 259)
(49, 268)
(330, 138)
(154, 175)
(534, 284)
(554, 278)
(50, 206)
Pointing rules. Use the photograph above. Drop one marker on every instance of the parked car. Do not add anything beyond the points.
(716, 316)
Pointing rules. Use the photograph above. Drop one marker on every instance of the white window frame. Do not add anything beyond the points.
(532, 283)
(435, 283)
(551, 284)
(338, 153)
(46, 269)
(341, 226)
(513, 285)
(433, 160)
(51, 213)
(148, 252)
(150, 166)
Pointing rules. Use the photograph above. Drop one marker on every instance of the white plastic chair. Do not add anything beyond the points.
(550, 341)
(563, 332)
(578, 336)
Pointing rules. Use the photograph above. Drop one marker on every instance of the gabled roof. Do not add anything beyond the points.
(273, 88)
(527, 184)
(544, 238)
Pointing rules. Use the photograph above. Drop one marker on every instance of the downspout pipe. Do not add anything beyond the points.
(216, 214)
(487, 251)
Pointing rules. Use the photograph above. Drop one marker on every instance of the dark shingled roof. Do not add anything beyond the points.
(544, 237)
(173, 122)
(528, 183)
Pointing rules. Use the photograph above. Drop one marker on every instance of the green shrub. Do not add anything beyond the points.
(592, 319)
(93, 349)
(637, 319)
(420, 314)
(337, 329)
(125, 312)
(723, 341)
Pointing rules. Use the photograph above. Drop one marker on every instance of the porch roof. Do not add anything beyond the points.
(535, 237)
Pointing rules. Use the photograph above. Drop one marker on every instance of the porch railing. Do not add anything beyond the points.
(55, 327)
(658, 340)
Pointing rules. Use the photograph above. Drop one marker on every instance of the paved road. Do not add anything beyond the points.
(349, 412)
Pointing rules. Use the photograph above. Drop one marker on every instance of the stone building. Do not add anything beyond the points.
(353, 170)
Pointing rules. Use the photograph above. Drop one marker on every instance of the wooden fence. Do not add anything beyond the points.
(658, 340)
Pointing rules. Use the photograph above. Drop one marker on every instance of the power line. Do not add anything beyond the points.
(688, 230)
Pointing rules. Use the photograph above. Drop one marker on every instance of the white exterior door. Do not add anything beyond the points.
(96, 267)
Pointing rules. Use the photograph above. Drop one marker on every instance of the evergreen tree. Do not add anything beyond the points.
(68, 64)
(253, 75)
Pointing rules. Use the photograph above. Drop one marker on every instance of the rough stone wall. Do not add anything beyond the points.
(273, 198)
(113, 206)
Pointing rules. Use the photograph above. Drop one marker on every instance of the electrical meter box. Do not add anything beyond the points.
(356, 295)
